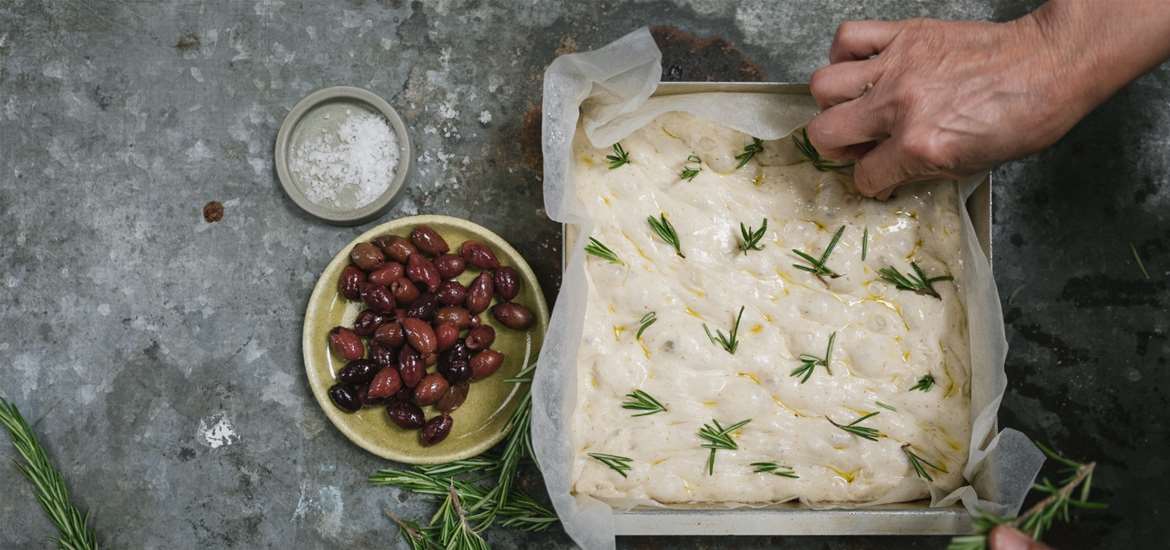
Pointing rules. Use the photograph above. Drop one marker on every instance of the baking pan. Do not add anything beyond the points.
(907, 518)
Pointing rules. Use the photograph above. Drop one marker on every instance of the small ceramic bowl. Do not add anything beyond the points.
(481, 420)
(324, 111)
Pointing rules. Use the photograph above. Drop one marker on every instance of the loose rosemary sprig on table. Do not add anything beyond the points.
(749, 152)
(72, 526)
(920, 464)
(817, 266)
(729, 343)
(1138, 259)
(665, 231)
(774, 469)
(717, 437)
(619, 156)
(809, 363)
(1072, 492)
(864, 432)
(644, 323)
(916, 282)
(750, 238)
(642, 401)
(688, 173)
(619, 464)
(924, 384)
(806, 148)
(597, 248)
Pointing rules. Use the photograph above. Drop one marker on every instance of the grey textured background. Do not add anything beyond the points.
(126, 321)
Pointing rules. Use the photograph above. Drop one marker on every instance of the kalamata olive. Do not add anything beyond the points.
(378, 298)
(405, 414)
(358, 371)
(384, 356)
(446, 335)
(455, 369)
(424, 307)
(430, 359)
(345, 397)
(410, 366)
(405, 394)
(367, 256)
(435, 430)
(458, 351)
(506, 281)
(480, 337)
(475, 321)
(403, 290)
(479, 294)
(423, 271)
(512, 315)
(478, 255)
(453, 315)
(454, 397)
(398, 248)
(449, 266)
(346, 344)
(349, 284)
(451, 293)
(419, 335)
(485, 363)
(430, 389)
(388, 273)
(428, 240)
(368, 321)
(390, 334)
(386, 383)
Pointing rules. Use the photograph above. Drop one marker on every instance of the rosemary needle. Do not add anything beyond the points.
(665, 231)
(1141, 265)
(865, 432)
(774, 469)
(749, 152)
(806, 148)
(885, 406)
(809, 363)
(642, 401)
(916, 282)
(729, 343)
(688, 173)
(644, 323)
(925, 383)
(716, 437)
(597, 248)
(920, 464)
(817, 266)
(750, 238)
(619, 156)
(619, 464)
(865, 243)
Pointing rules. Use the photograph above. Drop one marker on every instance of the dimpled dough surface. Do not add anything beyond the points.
(886, 340)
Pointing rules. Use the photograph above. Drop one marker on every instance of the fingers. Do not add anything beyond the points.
(881, 170)
(836, 130)
(1006, 538)
(861, 39)
(841, 82)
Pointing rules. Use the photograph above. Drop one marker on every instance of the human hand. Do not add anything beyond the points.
(1007, 538)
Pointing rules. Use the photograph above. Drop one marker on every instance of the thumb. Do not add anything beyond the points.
(1004, 537)
(882, 169)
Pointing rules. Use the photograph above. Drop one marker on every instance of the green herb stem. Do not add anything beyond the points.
(864, 432)
(750, 238)
(665, 231)
(729, 343)
(639, 400)
(619, 157)
(717, 437)
(916, 282)
(598, 249)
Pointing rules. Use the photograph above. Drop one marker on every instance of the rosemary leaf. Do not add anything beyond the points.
(749, 152)
(886, 406)
(716, 437)
(750, 238)
(864, 432)
(925, 383)
(642, 401)
(817, 266)
(920, 464)
(806, 148)
(688, 173)
(597, 248)
(619, 464)
(644, 323)
(916, 282)
(665, 231)
(774, 469)
(1137, 258)
(619, 156)
(809, 363)
(728, 343)
(48, 484)
(865, 243)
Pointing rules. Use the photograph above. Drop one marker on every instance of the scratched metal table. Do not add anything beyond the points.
(157, 353)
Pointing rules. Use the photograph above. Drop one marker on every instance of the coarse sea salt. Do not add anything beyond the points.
(351, 167)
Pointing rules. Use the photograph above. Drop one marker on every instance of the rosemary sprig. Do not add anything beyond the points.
(817, 266)
(864, 432)
(642, 401)
(916, 282)
(619, 464)
(1072, 492)
(1137, 258)
(865, 243)
(749, 152)
(619, 156)
(72, 526)
(597, 248)
(751, 237)
(806, 148)
(809, 363)
(417, 536)
(688, 173)
(717, 437)
(774, 469)
(644, 323)
(665, 231)
(454, 529)
(925, 383)
(920, 464)
(728, 343)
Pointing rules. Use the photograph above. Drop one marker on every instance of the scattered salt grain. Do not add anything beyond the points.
(350, 168)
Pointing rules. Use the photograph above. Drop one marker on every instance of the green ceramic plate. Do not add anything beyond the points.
(480, 422)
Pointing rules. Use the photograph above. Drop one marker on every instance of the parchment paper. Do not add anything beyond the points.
(609, 91)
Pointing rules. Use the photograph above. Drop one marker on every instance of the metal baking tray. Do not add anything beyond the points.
(907, 518)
